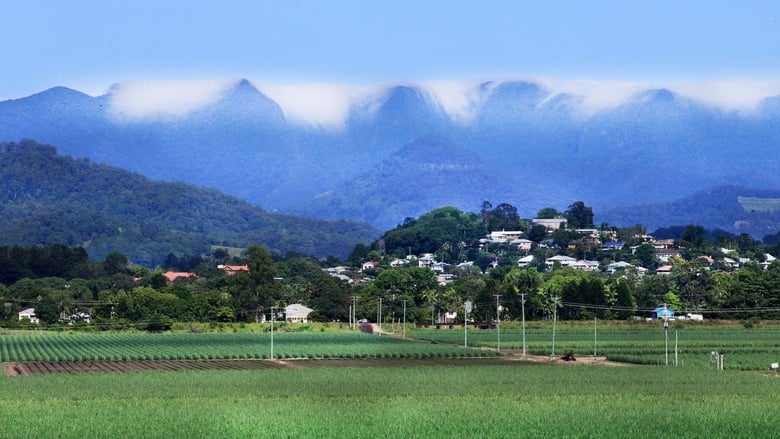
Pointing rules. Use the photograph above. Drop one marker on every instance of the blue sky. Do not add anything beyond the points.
(90, 44)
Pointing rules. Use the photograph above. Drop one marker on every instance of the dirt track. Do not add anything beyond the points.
(508, 357)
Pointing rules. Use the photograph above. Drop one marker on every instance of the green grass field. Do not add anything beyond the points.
(70, 346)
(520, 400)
(743, 348)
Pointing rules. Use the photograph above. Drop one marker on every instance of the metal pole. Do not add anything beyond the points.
(498, 323)
(465, 327)
(522, 305)
(272, 332)
(675, 348)
(404, 325)
(595, 335)
(466, 309)
(379, 322)
(555, 318)
(354, 313)
(666, 341)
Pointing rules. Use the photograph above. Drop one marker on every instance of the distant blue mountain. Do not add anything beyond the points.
(531, 147)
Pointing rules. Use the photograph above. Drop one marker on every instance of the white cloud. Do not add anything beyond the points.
(733, 94)
(459, 99)
(328, 105)
(321, 104)
(136, 100)
(596, 95)
(728, 95)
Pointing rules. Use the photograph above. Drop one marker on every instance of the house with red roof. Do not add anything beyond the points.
(233, 269)
(173, 275)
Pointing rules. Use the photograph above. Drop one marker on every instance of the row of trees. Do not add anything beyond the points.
(58, 280)
(151, 301)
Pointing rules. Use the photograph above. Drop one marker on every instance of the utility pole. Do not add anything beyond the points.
(467, 306)
(555, 318)
(404, 324)
(379, 320)
(498, 323)
(272, 331)
(353, 316)
(666, 335)
(522, 310)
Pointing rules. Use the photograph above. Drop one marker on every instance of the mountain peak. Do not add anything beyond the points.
(243, 87)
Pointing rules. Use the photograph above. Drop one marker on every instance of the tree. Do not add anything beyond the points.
(260, 277)
(694, 234)
(547, 213)
(579, 216)
(645, 256)
(485, 213)
(537, 233)
(624, 299)
(115, 263)
(504, 217)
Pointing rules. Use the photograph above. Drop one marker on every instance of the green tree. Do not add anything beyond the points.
(254, 290)
(624, 300)
(537, 233)
(579, 216)
(547, 213)
(694, 234)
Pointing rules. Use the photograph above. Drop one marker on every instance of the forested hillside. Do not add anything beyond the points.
(50, 199)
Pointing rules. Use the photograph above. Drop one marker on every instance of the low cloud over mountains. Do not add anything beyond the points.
(331, 151)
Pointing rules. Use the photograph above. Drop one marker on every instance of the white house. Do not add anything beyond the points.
(525, 261)
(523, 245)
(504, 235)
(551, 224)
(399, 262)
(585, 265)
(369, 265)
(562, 260)
(426, 261)
(768, 261)
(444, 279)
(29, 314)
(297, 313)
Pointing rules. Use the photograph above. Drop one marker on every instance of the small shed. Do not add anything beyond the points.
(28, 314)
(663, 312)
(297, 313)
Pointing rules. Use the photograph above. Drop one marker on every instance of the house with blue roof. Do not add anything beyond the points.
(663, 312)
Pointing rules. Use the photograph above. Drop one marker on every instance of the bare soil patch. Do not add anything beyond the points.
(507, 357)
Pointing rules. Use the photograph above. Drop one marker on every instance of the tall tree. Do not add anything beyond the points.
(579, 216)
(260, 278)
(694, 234)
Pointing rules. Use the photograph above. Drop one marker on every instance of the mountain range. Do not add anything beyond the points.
(405, 155)
(46, 199)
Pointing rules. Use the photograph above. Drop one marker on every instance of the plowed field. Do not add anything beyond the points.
(48, 367)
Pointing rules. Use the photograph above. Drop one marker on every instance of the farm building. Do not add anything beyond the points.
(297, 313)
(663, 312)
(28, 314)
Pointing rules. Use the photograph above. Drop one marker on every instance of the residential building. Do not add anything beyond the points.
(297, 313)
(29, 314)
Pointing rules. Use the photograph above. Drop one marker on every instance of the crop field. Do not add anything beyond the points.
(69, 346)
(517, 400)
(743, 348)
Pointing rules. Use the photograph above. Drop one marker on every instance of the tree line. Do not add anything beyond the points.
(59, 281)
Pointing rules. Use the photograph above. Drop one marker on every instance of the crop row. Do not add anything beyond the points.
(750, 349)
(521, 400)
(118, 346)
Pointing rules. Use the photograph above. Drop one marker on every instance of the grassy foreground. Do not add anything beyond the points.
(521, 400)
